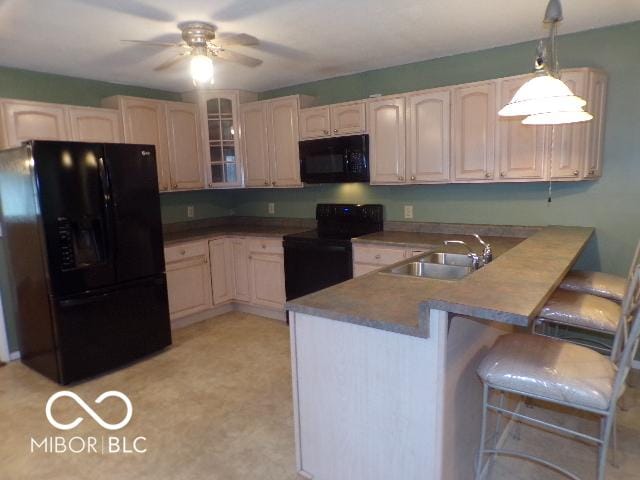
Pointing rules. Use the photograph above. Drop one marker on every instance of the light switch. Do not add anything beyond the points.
(408, 211)
(272, 208)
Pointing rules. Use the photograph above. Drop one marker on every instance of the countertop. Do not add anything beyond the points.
(222, 230)
(511, 289)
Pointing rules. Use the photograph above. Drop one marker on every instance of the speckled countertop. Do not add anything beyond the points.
(222, 230)
(512, 289)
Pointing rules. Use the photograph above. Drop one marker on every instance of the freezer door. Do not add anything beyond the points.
(105, 329)
(73, 195)
(136, 210)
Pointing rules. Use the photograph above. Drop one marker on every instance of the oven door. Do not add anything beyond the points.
(335, 160)
(311, 265)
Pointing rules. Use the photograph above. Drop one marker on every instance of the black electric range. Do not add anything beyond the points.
(322, 257)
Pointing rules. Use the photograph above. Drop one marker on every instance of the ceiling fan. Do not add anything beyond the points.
(201, 45)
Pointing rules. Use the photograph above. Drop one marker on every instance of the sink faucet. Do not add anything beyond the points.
(475, 259)
(487, 254)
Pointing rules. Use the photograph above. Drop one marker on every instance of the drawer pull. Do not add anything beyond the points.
(183, 252)
(377, 257)
(576, 173)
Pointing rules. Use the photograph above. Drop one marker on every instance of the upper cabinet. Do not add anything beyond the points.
(597, 97)
(387, 140)
(269, 137)
(339, 119)
(186, 163)
(428, 136)
(174, 129)
(22, 120)
(473, 131)
(521, 152)
(95, 124)
(145, 122)
(220, 121)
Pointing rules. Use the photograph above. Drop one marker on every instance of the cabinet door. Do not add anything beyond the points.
(568, 144)
(596, 105)
(428, 138)
(222, 140)
(348, 118)
(521, 148)
(185, 150)
(284, 157)
(387, 140)
(189, 286)
(474, 120)
(240, 255)
(253, 120)
(95, 125)
(221, 270)
(145, 123)
(314, 123)
(267, 280)
(33, 121)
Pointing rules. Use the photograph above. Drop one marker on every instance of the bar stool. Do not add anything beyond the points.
(561, 373)
(600, 284)
(587, 301)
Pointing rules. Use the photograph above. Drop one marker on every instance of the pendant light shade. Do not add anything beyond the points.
(546, 99)
(201, 70)
(542, 94)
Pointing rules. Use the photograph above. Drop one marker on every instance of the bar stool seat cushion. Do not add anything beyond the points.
(583, 311)
(549, 368)
(596, 283)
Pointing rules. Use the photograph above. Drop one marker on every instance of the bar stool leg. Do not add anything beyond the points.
(499, 420)
(605, 435)
(483, 428)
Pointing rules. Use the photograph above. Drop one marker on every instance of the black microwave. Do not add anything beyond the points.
(335, 159)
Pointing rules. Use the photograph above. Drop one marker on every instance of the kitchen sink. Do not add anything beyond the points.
(441, 266)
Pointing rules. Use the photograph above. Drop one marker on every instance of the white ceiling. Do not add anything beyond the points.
(301, 40)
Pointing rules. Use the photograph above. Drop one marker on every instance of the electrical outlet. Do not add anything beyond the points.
(190, 211)
(272, 208)
(408, 211)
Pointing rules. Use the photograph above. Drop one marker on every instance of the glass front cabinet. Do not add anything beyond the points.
(220, 120)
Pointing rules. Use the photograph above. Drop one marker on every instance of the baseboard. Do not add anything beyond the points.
(302, 475)
(13, 356)
(261, 311)
(218, 310)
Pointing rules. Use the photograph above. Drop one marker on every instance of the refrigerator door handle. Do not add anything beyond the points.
(108, 206)
(76, 302)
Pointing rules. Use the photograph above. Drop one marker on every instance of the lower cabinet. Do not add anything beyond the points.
(368, 257)
(188, 278)
(208, 273)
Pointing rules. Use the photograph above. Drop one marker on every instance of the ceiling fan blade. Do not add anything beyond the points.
(238, 58)
(170, 63)
(154, 44)
(239, 39)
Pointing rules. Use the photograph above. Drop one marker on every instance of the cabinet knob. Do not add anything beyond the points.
(487, 175)
(401, 178)
(502, 174)
(377, 257)
(266, 183)
(206, 259)
(326, 132)
(175, 185)
(182, 252)
(592, 172)
(211, 184)
(576, 173)
(273, 183)
(335, 130)
(413, 177)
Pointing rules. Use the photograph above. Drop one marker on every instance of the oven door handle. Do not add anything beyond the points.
(324, 248)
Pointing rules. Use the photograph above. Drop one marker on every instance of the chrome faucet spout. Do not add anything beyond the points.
(471, 254)
(487, 253)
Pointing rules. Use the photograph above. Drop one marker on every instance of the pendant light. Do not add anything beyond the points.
(546, 99)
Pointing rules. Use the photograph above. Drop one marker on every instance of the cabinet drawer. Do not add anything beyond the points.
(181, 251)
(266, 245)
(377, 255)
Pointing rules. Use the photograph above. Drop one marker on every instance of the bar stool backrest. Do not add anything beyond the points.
(622, 331)
(635, 261)
(627, 344)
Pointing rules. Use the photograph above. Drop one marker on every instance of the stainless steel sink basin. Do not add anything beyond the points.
(431, 270)
(455, 259)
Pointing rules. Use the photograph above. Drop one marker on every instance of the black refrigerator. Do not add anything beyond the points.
(83, 237)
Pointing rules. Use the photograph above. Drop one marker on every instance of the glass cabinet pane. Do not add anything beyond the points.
(226, 106)
(229, 154)
(217, 174)
(213, 106)
(221, 130)
(216, 153)
(230, 170)
(214, 130)
(227, 129)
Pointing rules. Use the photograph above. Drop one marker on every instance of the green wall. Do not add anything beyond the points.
(611, 204)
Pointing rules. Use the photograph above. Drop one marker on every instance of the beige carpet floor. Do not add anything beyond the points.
(217, 405)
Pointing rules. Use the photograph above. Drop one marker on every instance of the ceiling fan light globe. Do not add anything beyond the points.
(542, 94)
(558, 118)
(201, 70)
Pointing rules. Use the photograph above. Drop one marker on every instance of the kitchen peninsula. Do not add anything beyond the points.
(384, 365)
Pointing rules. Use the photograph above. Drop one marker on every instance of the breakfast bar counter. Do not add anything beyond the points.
(384, 365)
